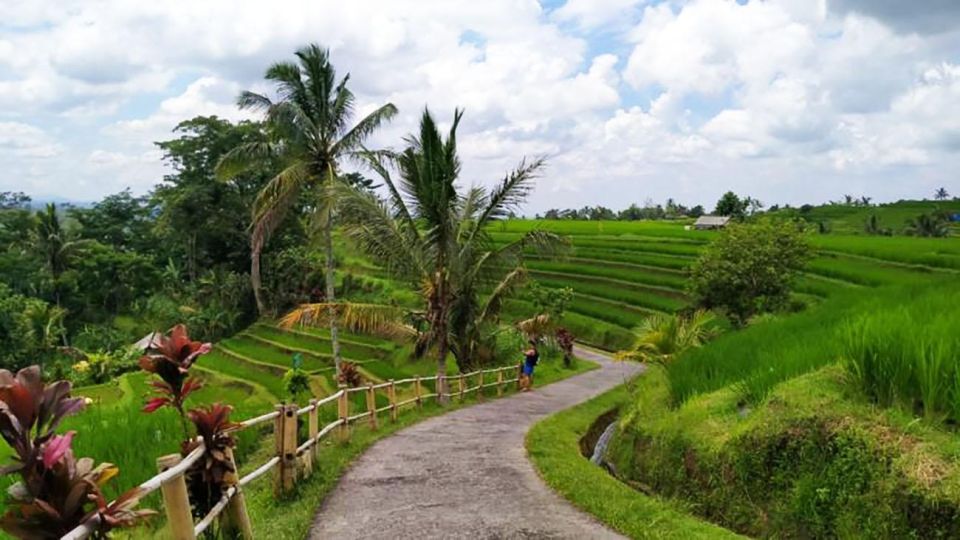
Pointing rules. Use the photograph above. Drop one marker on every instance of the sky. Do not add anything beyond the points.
(788, 101)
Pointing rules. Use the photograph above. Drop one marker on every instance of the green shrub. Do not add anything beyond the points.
(749, 269)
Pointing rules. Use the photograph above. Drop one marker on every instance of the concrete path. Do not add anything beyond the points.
(465, 474)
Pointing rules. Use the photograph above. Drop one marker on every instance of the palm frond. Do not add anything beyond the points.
(248, 100)
(391, 242)
(242, 158)
(354, 139)
(494, 302)
(376, 319)
(512, 192)
(273, 202)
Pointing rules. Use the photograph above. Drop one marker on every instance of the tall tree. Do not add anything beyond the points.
(941, 194)
(202, 221)
(437, 239)
(56, 245)
(731, 205)
(309, 125)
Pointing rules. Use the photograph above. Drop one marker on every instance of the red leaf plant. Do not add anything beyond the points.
(349, 375)
(171, 360)
(565, 340)
(56, 491)
(208, 477)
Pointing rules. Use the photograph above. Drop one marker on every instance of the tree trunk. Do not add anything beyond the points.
(255, 278)
(329, 278)
(442, 348)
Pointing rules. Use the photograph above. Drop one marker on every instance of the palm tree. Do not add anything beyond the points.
(933, 224)
(941, 194)
(56, 245)
(309, 126)
(662, 337)
(437, 239)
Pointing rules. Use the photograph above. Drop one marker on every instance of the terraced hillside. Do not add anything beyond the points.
(622, 271)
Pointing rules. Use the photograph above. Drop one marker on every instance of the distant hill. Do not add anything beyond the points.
(850, 219)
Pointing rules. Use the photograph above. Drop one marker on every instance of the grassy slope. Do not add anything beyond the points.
(553, 446)
(850, 219)
(828, 461)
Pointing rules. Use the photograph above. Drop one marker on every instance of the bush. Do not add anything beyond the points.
(749, 269)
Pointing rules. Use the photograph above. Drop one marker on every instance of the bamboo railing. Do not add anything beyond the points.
(293, 460)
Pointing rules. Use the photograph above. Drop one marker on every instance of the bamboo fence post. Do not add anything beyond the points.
(313, 427)
(236, 517)
(343, 411)
(278, 430)
(480, 386)
(288, 460)
(392, 394)
(460, 383)
(176, 500)
(372, 405)
(440, 384)
(417, 392)
(499, 382)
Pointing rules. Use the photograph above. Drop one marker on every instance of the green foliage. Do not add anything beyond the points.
(438, 241)
(828, 466)
(29, 329)
(749, 269)
(872, 227)
(909, 354)
(662, 337)
(550, 301)
(732, 205)
(934, 224)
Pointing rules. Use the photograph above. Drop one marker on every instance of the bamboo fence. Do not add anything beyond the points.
(292, 459)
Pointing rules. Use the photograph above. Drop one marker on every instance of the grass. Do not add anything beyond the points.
(827, 462)
(909, 354)
(553, 446)
(622, 272)
(632, 294)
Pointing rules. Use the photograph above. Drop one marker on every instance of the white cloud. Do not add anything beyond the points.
(19, 140)
(778, 98)
(592, 14)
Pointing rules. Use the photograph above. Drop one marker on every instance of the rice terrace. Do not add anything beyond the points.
(515, 269)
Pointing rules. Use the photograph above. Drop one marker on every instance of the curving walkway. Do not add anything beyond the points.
(465, 474)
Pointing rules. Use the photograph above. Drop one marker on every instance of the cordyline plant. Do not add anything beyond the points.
(171, 360)
(349, 375)
(208, 477)
(56, 491)
(565, 339)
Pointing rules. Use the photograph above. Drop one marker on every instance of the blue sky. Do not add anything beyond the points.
(785, 100)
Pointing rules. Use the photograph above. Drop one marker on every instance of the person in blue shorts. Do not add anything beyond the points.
(530, 358)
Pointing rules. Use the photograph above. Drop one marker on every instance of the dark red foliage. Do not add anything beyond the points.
(56, 491)
(30, 413)
(171, 361)
(349, 375)
(565, 339)
(207, 479)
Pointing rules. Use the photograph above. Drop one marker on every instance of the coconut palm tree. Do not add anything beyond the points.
(309, 127)
(56, 245)
(662, 337)
(941, 194)
(436, 238)
(933, 224)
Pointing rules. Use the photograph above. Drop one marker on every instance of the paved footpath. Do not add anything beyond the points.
(465, 474)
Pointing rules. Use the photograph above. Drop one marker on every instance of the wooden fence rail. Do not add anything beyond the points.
(292, 459)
